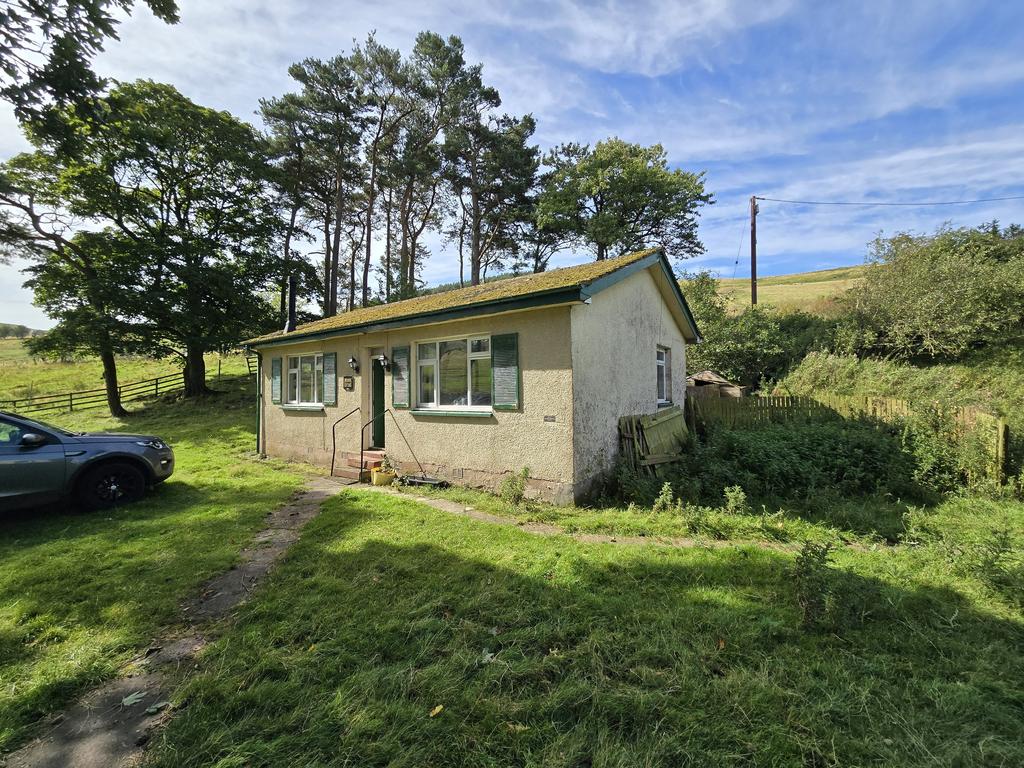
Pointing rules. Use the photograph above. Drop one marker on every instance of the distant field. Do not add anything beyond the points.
(813, 292)
(24, 376)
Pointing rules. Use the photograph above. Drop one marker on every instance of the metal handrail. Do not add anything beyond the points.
(399, 428)
(362, 439)
(334, 439)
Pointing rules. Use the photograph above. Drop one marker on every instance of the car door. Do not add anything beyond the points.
(30, 475)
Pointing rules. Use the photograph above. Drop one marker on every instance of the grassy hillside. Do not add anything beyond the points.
(992, 380)
(813, 292)
(24, 376)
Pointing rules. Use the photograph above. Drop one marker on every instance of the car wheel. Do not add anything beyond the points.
(110, 485)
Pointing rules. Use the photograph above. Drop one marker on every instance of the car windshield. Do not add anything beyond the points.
(48, 427)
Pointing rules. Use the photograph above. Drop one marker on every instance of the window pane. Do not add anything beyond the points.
(306, 380)
(426, 389)
(661, 355)
(453, 372)
(318, 380)
(10, 435)
(661, 383)
(293, 386)
(427, 352)
(480, 345)
(480, 381)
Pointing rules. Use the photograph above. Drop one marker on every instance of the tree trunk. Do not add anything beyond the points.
(370, 200)
(352, 279)
(602, 251)
(110, 382)
(285, 260)
(387, 247)
(195, 372)
(404, 291)
(336, 247)
(475, 243)
(327, 266)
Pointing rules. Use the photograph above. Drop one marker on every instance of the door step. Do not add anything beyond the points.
(371, 459)
(352, 473)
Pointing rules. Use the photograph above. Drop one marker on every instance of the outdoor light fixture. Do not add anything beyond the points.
(384, 362)
(353, 364)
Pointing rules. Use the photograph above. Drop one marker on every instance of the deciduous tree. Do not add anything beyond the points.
(620, 197)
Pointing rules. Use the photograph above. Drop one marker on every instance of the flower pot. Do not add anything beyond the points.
(380, 477)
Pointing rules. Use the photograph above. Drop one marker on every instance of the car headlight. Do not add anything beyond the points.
(156, 445)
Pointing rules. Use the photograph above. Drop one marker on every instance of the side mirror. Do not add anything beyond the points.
(32, 440)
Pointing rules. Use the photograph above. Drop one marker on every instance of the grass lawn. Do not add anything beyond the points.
(80, 593)
(24, 376)
(394, 634)
(866, 521)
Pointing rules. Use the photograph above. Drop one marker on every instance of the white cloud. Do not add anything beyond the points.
(784, 98)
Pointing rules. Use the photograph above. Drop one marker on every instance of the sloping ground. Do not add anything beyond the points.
(992, 380)
(812, 292)
(24, 376)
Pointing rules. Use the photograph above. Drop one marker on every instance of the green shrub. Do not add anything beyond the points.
(795, 461)
(830, 599)
(813, 583)
(513, 487)
(736, 500)
(665, 501)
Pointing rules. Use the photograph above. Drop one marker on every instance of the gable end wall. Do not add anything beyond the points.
(614, 340)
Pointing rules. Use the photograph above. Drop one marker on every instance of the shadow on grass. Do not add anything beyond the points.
(548, 652)
(79, 592)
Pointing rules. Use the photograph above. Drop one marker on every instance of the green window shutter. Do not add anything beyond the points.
(400, 377)
(505, 377)
(330, 383)
(275, 380)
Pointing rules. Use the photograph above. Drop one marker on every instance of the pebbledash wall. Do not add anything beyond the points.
(582, 366)
(482, 450)
(614, 340)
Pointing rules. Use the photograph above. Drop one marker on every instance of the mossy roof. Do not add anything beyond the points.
(432, 304)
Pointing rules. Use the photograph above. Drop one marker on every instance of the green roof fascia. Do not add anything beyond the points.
(530, 301)
(658, 257)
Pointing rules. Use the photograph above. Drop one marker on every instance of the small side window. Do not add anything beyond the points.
(663, 372)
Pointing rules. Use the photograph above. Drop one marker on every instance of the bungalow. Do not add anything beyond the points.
(479, 382)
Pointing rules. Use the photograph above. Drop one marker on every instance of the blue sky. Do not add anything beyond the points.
(871, 100)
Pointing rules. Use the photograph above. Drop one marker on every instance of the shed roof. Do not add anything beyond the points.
(709, 377)
(523, 292)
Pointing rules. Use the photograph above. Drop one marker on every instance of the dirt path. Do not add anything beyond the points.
(110, 726)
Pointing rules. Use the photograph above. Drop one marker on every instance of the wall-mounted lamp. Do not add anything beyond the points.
(353, 364)
(384, 362)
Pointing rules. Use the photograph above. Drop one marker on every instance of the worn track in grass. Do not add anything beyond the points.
(102, 730)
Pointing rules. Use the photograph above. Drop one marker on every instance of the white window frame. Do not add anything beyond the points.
(663, 361)
(293, 380)
(435, 405)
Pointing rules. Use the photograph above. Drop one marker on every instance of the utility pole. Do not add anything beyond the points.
(753, 250)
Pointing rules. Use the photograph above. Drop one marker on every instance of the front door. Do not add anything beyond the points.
(377, 405)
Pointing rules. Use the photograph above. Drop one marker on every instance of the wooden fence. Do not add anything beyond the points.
(95, 398)
(990, 432)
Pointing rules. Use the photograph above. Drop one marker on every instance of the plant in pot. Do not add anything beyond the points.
(385, 473)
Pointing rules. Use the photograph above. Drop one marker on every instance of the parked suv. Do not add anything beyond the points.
(41, 464)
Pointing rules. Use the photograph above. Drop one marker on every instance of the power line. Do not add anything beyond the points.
(866, 203)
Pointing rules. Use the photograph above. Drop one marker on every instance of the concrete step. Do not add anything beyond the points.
(352, 460)
(352, 473)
